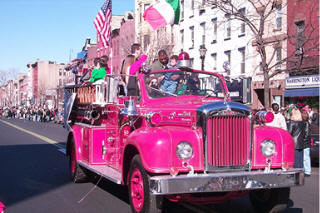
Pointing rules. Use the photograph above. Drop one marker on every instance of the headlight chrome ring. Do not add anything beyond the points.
(268, 147)
(184, 150)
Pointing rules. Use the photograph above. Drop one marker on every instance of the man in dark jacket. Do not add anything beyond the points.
(162, 62)
(300, 132)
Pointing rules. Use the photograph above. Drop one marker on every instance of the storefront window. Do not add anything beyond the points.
(277, 99)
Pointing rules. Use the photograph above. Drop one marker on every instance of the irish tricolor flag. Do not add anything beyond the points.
(163, 13)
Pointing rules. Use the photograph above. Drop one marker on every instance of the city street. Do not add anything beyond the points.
(34, 178)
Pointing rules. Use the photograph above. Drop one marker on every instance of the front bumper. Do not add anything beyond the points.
(221, 182)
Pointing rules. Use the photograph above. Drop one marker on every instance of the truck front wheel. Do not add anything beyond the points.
(141, 200)
(76, 172)
(270, 200)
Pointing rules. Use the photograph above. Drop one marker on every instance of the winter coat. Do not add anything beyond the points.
(300, 132)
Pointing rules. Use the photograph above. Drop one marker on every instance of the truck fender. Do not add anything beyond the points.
(284, 152)
(157, 147)
(75, 134)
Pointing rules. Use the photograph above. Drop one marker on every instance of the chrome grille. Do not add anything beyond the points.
(228, 141)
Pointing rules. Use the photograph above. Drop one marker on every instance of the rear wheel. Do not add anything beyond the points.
(77, 173)
(141, 200)
(270, 200)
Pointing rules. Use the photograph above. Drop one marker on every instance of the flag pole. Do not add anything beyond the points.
(111, 56)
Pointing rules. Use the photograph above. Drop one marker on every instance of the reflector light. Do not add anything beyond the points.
(285, 165)
(174, 171)
(269, 117)
(264, 116)
(184, 56)
(155, 118)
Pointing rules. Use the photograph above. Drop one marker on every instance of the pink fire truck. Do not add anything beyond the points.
(181, 140)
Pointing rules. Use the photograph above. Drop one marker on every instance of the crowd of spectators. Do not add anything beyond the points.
(33, 113)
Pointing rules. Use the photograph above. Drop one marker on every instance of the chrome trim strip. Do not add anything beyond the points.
(88, 125)
(236, 181)
(104, 171)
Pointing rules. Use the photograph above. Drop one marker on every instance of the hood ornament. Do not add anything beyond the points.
(226, 97)
(228, 108)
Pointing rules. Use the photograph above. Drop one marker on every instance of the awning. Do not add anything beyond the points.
(82, 54)
(302, 92)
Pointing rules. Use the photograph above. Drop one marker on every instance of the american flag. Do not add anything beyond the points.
(102, 22)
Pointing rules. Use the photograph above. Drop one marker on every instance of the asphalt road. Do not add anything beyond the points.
(34, 178)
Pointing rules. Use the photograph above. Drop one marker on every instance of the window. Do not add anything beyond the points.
(141, 12)
(277, 99)
(191, 62)
(278, 57)
(146, 41)
(182, 10)
(214, 60)
(203, 29)
(279, 16)
(202, 7)
(192, 8)
(60, 82)
(242, 11)
(182, 37)
(214, 4)
(260, 67)
(228, 26)
(192, 37)
(300, 35)
(215, 30)
(228, 59)
(60, 72)
(243, 60)
(228, 56)
(145, 7)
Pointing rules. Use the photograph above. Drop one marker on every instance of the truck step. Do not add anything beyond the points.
(103, 170)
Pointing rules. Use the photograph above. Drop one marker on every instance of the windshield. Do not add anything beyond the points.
(178, 83)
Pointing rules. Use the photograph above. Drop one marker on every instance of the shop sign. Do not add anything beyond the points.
(303, 81)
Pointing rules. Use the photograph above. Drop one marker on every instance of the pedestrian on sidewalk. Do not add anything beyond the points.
(307, 143)
(279, 120)
(298, 130)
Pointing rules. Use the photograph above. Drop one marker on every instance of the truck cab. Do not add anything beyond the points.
(181, 139)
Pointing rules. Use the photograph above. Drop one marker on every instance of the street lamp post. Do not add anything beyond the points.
(203, 51)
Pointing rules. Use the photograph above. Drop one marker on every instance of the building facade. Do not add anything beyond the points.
(164, 38)
(302, 84)
(227, 40)
(45, 81)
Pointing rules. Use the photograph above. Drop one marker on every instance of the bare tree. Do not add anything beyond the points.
(268, 46)
(41, 93)
(5, 76)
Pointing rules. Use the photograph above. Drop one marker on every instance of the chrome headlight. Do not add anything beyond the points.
(268, 147)
(184, 150)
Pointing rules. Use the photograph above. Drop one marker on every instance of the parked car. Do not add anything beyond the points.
(314, 151)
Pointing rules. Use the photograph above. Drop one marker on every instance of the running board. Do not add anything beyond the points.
(103, 170)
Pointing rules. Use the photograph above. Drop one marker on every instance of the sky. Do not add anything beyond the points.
(48, 29)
